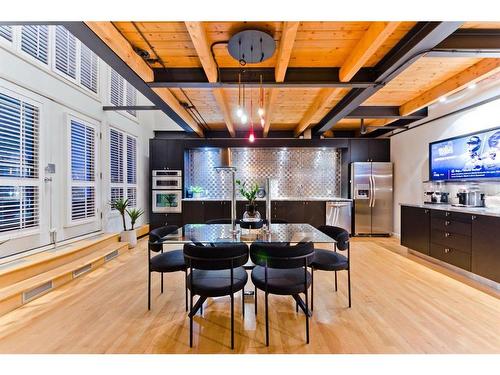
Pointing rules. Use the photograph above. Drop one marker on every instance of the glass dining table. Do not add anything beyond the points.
(221, 233)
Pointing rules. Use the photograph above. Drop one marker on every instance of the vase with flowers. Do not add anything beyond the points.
(250, 194)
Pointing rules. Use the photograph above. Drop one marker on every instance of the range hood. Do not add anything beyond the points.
(225, 159)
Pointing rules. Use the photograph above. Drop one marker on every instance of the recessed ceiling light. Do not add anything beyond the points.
(442, 99)
(472, 86)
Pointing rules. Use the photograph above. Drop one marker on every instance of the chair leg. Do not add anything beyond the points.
(312, 289)
(307, 317)
(255, 299)
(296, 307)
(162, 283)
(149, 290)
(243, 302)
(186, 290)
(201, 309)
(190, 320)
(232, 321)
(349, 285)
(335, 280)
(267, 320)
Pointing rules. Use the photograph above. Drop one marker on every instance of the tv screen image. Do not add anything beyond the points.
(472, 156)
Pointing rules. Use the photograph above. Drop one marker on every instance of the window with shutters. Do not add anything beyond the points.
(19, 175)
(6, 32)
(121, 92)
(83, 174)
(35, 42)
(89, 68)
(65, 52)
(123, 166)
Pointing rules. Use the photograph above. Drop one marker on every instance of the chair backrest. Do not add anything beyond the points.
(218, 221)
(340, 235)
(219, 256)
(278, 255)
(157, 233)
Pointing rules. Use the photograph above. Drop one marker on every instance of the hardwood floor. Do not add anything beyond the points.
(400, 305)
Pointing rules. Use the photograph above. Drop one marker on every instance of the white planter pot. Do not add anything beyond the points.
(129, 236)
(196, 195)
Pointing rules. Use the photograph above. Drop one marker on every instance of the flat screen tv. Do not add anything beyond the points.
(470, 156)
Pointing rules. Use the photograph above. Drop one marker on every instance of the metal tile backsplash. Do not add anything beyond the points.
(295, 172)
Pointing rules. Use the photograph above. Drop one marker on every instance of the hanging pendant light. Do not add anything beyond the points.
(239, 110)
(261, 99)
(251, 136)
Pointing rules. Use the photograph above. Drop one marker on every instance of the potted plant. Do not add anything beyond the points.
(197, 191)
(121, 205)
(134, 214)
(250, 195)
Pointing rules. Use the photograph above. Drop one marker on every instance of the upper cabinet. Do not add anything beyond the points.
(167, 154)
(370, 150)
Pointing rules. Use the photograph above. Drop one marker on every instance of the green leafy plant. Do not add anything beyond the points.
(120, 205)
(197, 189)
(251, 193)
(134, 214)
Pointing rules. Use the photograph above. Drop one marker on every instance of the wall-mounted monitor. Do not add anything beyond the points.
(471, 156)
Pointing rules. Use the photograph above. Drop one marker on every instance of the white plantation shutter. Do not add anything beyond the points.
(89, 68)
(35, 41)
(132, 196)
(82, 170)
(123, 165)
(131, 98)
(65, 52)
(131, 160)
(117, 89)
(19, 200)
(116, 156)
(6, 32)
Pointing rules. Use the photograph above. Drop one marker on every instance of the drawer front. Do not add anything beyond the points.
(452, 216)
(453, 240)
(451, 226)
(452, 256)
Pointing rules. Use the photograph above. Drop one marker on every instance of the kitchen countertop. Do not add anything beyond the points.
(331, 199)
(488, 211)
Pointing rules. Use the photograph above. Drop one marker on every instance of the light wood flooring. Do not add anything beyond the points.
(401, 304)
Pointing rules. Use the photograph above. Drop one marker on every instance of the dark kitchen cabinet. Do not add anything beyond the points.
(193, 212)
(314, 213)
(370, 150)
(167, 154)
(415, 228)
(486, 247)
(291, 211)
(216, 210)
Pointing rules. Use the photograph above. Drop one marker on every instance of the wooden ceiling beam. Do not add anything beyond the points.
(282, 59)
(173, 103)
(373, 38)
(285, 49)
(324, 98)
(108, 33)
(476, 72)
(201, 43)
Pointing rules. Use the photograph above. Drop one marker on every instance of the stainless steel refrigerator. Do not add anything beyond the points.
(371, 190)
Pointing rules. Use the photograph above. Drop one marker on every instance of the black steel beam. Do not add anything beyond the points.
(130, 108)
(389, 112)
(390, 127)
(417, 42)
(81, 31)
(469, 43)
(228, 77)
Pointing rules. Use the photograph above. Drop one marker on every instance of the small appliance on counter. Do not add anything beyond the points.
(436, 197)
(470, 199)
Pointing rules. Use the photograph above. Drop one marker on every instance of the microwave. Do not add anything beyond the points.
(167, 201)
(167, 173)
(172, 183)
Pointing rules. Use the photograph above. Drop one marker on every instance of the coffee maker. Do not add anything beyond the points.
(436, 197)
(470, 198)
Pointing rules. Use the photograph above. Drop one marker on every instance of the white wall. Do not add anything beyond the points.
(409, 150)
(58, 98)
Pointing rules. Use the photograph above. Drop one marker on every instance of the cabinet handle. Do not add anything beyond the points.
(447, 234)
(446, 223)
(474, 217)
(426, 211)
(446, 250)
(448, 214)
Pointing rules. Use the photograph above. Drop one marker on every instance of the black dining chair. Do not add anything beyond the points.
(215, 271)
(282, 270)
(328, 260)
(164, 262)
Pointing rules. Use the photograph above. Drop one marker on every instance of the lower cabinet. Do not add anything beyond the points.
(467, 241)
(415, 228)
(486, 246)
(310, 212)
(193, 212)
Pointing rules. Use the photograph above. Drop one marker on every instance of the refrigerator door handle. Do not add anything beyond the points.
(370, 191)
(374, 189)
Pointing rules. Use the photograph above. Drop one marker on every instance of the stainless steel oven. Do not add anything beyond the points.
(167, 201)
(163, 182)
(167, 173)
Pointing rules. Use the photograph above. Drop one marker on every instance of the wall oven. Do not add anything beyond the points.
(167, 201)
(167, 191)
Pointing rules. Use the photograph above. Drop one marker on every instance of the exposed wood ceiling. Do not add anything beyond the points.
(349, 46)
